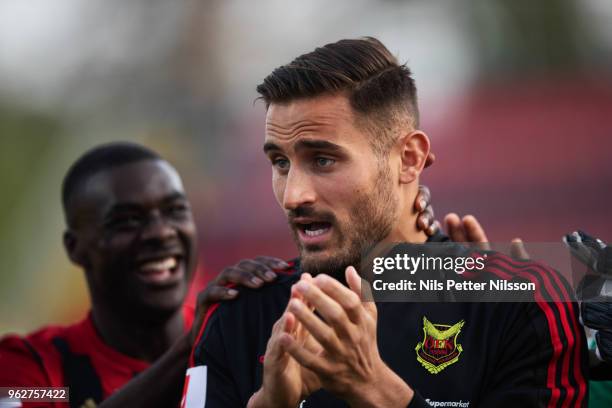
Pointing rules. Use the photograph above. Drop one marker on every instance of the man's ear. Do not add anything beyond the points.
(73, 249)
(414, 149)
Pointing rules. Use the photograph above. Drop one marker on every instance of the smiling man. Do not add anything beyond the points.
(343, 139)
(130, 227)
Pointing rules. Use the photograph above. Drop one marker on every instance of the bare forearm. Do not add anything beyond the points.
(158, 386)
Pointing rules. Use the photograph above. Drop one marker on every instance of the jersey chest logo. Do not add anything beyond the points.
(439, 347)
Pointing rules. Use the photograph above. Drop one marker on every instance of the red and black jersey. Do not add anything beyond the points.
(530, 354)
(69, 356)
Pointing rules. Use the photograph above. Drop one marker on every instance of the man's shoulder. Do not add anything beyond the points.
(549, 284)
(269, 297)
(33, 359)
(254, 309)
(244, 324)
(39, 339)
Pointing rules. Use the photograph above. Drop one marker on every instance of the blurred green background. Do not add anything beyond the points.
(515, 95)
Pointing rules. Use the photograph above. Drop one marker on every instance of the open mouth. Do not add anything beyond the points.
(161, 271)
(313, 233)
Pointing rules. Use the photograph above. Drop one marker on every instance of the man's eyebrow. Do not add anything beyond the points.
(175, 196)
(318, 144)
(122, 208)
(307, 144)
(132, 206)
(269, 146)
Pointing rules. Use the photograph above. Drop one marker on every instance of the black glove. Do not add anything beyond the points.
(595, 290)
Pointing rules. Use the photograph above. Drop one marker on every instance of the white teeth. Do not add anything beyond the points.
(315, 233)
(161, 265)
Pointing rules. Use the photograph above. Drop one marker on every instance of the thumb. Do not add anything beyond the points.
(356, 284)
(353, 279)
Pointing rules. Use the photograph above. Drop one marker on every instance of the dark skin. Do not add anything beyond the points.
(91, 248)
(132, 231)
(126, 222)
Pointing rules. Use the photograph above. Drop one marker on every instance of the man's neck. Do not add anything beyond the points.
(406, 231)
(138, 338)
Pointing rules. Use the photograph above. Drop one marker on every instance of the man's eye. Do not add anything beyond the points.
(125, 222)
(281, 164)
(324, 161)
(177, 210)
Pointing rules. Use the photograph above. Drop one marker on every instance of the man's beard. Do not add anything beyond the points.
(371, 219)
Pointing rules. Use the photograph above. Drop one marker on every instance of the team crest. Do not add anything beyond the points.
(439, 347)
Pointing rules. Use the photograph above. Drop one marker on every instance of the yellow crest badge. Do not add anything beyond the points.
(439, 347)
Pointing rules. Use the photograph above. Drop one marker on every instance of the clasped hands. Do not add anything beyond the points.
(326, 338)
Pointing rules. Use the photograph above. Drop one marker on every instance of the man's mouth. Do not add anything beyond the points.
(161, 271)
(313, 233)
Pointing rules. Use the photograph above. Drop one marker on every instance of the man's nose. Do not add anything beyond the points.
(299, 190)
(158, 228)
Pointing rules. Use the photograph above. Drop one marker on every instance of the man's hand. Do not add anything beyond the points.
(595, 290)
(251, 273)
(466, 229)
(469, 230)
(285, 382)
(425, 219)
(348, 363)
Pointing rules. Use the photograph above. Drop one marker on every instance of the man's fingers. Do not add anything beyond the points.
(431, 158)
(290, 323)
(215, 293)
(306, 358)
(475, 233)
(239, 276)
(259, 269)
(324, 334)
(280, 330)
(348, 298)
(425, 219)
(272, 262)
(433, 228)
(356, 284)
(329, 309)
(517, 249)
(294, 292)
(353, 280)
(252, 272)
(423, 199)
(454, 228)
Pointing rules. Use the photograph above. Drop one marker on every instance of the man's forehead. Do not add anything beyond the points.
(133, 182)
(328, 117)
(327, 110)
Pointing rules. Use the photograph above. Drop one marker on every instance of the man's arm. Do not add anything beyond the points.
(170, 368)
(542, 361)
(158, 386)
(20, 366)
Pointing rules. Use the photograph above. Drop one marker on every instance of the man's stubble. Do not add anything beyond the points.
(372, 218)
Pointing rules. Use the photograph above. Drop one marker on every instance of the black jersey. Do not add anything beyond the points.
(530, 354)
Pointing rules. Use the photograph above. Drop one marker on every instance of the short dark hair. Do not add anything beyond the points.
(100, 158)
(377, 86)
